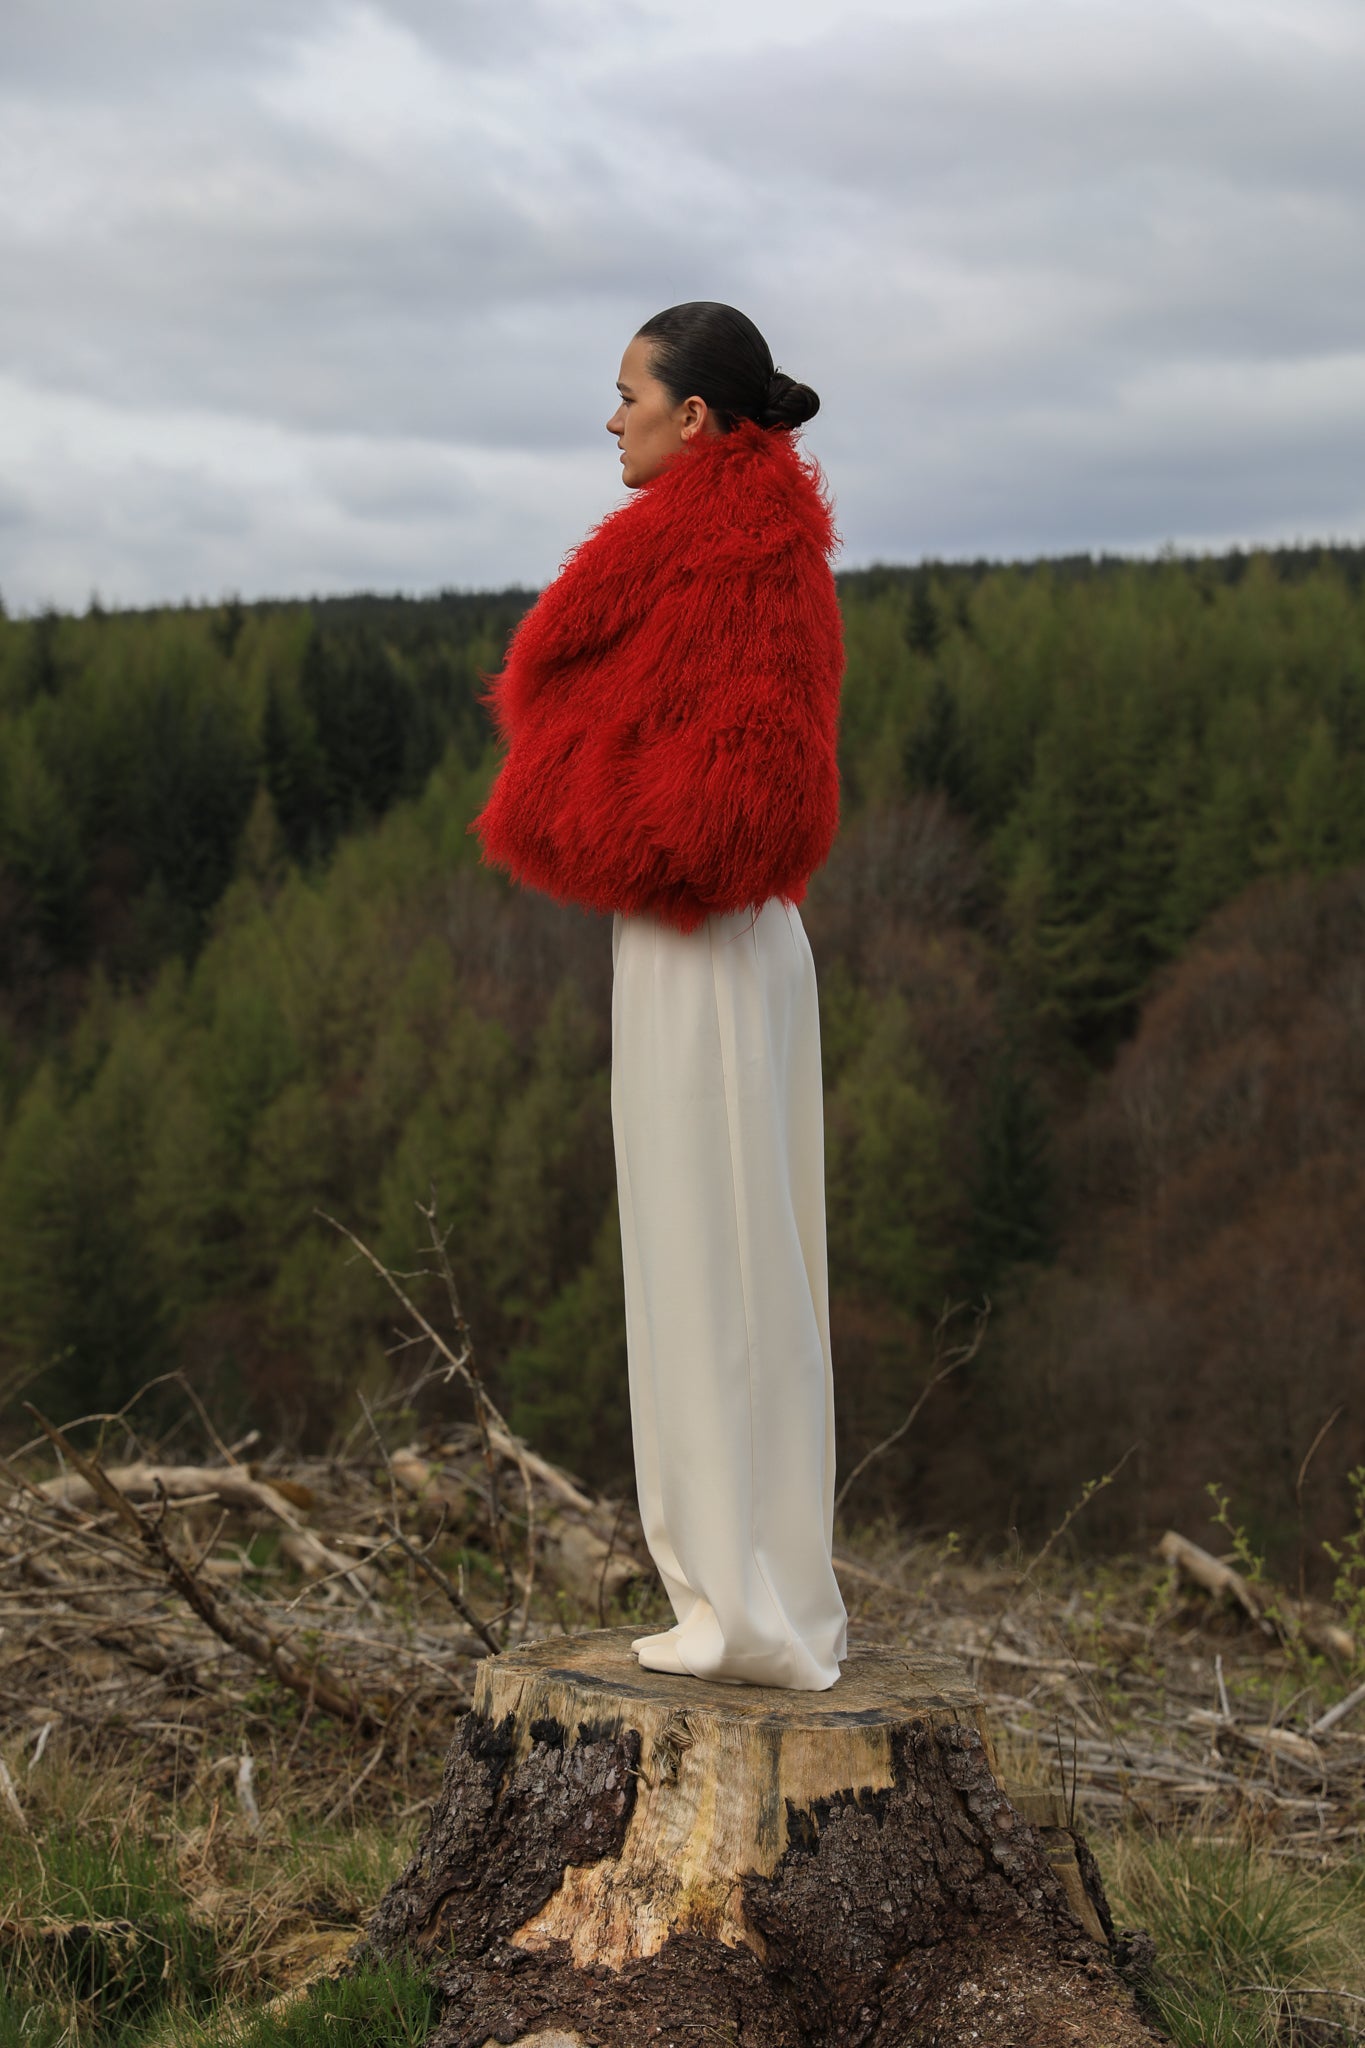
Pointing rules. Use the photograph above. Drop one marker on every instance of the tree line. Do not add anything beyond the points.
(1086, 947)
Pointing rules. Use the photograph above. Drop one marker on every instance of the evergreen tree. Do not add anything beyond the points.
(40, 847)
(79, 1293)
(43, 677)
(1219, 852)
(1322, 820)
(890, 1188)
(195, 779)
(552, 1169)
(936, 755)
(227, 625)
(923, 627)
(360, 708)
(295, 772)
(1011, 1197)
(568, 1387)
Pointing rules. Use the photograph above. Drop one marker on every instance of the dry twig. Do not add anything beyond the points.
(947, 1362)
(233, 1623)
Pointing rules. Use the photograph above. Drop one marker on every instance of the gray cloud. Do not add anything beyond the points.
(309, 297)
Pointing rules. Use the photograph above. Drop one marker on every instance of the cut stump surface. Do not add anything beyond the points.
(620, 1857)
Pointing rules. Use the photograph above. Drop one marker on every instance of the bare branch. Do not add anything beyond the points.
(232, 1622)
(952, 1362)
(492, 1426)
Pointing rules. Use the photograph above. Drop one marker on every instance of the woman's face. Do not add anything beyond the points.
(649, 428)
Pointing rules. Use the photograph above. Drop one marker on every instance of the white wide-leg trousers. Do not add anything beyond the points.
(717, 1113)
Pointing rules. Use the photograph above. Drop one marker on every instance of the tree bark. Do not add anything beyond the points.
(619, 1858)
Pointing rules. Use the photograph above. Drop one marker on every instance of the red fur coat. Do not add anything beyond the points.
(670, 703)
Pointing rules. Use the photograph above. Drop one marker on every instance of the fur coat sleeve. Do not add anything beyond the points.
(670, 705)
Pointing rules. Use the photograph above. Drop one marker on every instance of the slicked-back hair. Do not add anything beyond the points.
(703, 349)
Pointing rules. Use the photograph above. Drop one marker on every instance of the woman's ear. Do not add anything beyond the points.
(694, 419)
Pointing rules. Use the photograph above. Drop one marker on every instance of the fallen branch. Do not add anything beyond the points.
(418, 1557)
(229, 1484)
(230, 1621)
(1272, 1611)
(1203, 1569)
(1326, 1722)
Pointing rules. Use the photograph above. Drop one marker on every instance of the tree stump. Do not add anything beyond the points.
(620, 1857)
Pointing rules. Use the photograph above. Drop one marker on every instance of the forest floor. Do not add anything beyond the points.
(226, 1694)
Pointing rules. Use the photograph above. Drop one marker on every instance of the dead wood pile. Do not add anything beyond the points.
(139, 1596)
(1172, 1704)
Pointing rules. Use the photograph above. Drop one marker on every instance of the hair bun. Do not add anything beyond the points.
(789, 404)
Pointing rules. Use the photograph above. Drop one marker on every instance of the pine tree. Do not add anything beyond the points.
(568, 1388)
(890, 1185)
(41, 848)
(1322, 818)
(194, 779)
(936, 754)
(552, 1168)
(1011, 1195)
(360, 706)
(923, 627)
(226, 626)
(295, 772)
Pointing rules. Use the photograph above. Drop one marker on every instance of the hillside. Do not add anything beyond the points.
(1088, 948)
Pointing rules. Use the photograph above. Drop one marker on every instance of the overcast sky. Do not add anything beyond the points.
(309, 297)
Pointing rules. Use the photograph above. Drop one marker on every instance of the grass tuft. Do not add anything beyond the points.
(1250, 1952)
(384, 2006)
(105, 1936)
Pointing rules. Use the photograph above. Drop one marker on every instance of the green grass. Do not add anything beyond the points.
(386, 2008)
(383, 2007)
(118, 1936)
(1227, 1918)
(127, 1924)
(25, 2024)
(103, 1934)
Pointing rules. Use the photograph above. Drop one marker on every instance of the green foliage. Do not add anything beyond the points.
(40, 844)
(1012, 1193)
(1227, 1918)
(551, 1168)
(296, 771)
(79, 1282)
(133, 747)
(111, 1939)
(1248, 1560)
(936, 755)
(387, 2006)
(1347, 1589)
(1136, 742)
(886, 1143)
(117, 1934)
(568, 1386)
(24, 2023)
(250, 968)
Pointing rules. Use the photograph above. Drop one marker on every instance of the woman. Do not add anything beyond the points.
(670, 707)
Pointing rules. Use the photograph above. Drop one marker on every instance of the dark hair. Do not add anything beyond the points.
(706, 350)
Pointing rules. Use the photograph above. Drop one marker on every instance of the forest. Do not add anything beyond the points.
(1091, 948)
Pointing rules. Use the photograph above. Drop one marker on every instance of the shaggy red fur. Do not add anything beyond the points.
(671, 701)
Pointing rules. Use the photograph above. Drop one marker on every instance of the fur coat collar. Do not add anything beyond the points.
(670, 703)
